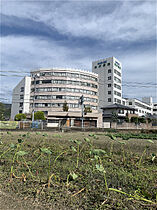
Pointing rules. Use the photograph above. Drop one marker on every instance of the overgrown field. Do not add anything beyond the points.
(80, 170)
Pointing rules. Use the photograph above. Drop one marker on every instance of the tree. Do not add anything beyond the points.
(19, 117)
(39, 115)
(142, 120)
(65, 107)
(134, 119)
(127, 119)
(2, 110)
(114, 117)
(87, 109)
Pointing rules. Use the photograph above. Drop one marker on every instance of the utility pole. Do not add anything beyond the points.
(82, 108)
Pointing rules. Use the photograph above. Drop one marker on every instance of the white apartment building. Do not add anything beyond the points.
(21, 97)
(141, 108)
(109, 71)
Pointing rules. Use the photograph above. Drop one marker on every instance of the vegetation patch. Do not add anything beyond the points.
(80, 170)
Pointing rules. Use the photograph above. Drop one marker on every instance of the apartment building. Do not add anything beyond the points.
(50, 89)
(109, 71)
(21, 97)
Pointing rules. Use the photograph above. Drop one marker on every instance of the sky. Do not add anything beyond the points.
(43, 34)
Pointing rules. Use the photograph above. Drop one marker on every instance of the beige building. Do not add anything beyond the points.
(50, 89)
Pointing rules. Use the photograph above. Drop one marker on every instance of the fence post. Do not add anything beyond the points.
(42, 126)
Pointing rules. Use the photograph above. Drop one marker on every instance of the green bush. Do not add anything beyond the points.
(149, 120)
(19, 117)
(39, 115)
(142, 120)
(127, 120)
(134, 119)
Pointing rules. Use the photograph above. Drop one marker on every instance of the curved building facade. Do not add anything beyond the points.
(52, 88)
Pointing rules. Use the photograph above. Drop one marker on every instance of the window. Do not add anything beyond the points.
(117, 93)
(130, 103)
(20, 111)
(21, 104)
(117, 72)
(109, 85)
(99, 66)
(117, 100)
(117, 86)
(21, 96)
(109, 71)
(109, 99)
(95, 67)
(46, 81)
(109, 92)
(59, 97)
(22, 89)
(117, 79)
(121, 111)
(108, 64)
(109, 78)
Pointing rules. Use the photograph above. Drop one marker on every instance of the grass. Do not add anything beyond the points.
(80, 170)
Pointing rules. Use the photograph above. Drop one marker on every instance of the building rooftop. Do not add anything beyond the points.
(64, 69)
(117, 106)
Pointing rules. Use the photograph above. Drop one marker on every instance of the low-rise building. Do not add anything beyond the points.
(117, 112)
(141, 108)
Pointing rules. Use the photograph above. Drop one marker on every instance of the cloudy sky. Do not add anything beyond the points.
(73, 34)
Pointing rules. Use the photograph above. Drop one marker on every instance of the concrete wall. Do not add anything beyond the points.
(128, 126)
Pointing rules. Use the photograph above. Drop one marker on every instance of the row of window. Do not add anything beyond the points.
(66, 74)
(115, 100)
(57, 89)
(55, 97)
(103, 65)
(67, 82)
(140, 105)
(118, 101)
(59, 105)
(141, 111)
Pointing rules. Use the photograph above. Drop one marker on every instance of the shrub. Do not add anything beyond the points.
(39, 115)
(127, 120)
(19, 117)
(134, 119)
(149, 120)
(142, 120)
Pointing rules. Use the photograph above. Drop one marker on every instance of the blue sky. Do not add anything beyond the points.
(74, 33)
